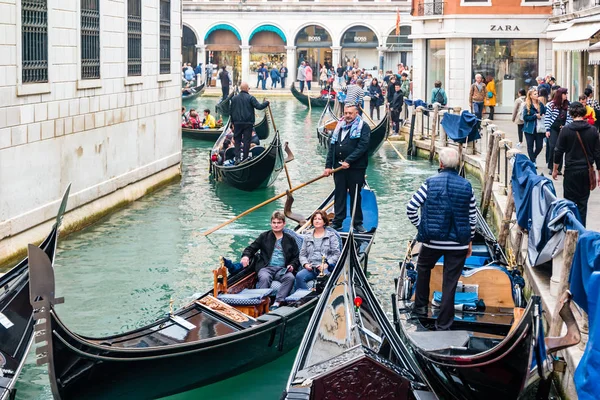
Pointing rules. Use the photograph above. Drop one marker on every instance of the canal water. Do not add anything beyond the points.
(120, 273)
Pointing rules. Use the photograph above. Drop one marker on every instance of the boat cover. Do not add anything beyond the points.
(461, 128)
(585, 286)
(369, 209)
(540, 212)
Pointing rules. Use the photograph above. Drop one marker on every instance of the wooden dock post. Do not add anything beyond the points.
(510, 202)
(436, 112)
(562, 284)
(489, 179)
(490, 146)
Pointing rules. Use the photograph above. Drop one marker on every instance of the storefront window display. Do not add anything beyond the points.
(313, 45)
(223, 45)
(359, 48)
(436, 63)
(268, 48)
(513, 63)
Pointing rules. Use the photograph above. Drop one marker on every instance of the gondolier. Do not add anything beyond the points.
(242, 116)
(446, 228)
(349, 148)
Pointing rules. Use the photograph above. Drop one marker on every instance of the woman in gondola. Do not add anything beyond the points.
(320, 250)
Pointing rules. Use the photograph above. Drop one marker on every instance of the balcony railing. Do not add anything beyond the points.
(430, 8)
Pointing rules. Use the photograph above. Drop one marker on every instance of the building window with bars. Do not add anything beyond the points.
(90, 39)
(165, 36)
(134, 37)
(34, 41)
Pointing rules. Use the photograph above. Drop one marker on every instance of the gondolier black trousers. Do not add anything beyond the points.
(576, 186)
(225, 91)
(454, 261)
(242, 134)
(346, 180)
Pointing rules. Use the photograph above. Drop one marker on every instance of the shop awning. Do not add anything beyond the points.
(594, 51)
(576, 38)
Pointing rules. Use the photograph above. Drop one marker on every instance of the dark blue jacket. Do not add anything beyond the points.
(530, 119)
(445, 213)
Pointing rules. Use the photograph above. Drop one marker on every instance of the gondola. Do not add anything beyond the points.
(198, 91)
(223, 107)
(350, 349)
(489, 350)
(259, 171)
(261, 128)
(327, 123)
(201, 343)
(315, 102)
(16, 312)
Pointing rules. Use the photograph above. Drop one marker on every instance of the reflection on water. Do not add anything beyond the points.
(120, 273)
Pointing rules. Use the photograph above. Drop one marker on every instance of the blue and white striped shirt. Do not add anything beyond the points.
(551, 115)
(418, 200)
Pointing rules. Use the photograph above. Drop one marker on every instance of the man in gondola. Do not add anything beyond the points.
(277, 260)
(446, 227)
(349, 149)
(242, 116)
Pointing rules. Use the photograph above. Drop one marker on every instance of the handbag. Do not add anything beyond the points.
(541, 125)
(591, 172)
(490, 94)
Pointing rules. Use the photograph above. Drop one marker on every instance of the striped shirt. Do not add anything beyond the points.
(418, 200)
(551, 115)
(354, 95)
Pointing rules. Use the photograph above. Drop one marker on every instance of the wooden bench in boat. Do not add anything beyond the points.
(220, 286)
(494, 285)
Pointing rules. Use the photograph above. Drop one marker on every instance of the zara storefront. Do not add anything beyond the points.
(513, 50)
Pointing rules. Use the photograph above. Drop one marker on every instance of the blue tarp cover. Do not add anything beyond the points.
(585, 286)
(461, 128)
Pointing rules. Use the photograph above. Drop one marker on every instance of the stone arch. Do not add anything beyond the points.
(270, 27)
(360, 24)
(334, 39)
(189, 40)
(224, 26)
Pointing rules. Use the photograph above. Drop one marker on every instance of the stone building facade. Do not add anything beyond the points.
(503, 39)
(89, 95)
(243, 34)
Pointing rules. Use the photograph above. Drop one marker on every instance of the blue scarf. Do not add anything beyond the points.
(355, 129)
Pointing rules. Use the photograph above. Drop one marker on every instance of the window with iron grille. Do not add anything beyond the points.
(134, 37)
(165, 36)
(34, 40)
(90, 39)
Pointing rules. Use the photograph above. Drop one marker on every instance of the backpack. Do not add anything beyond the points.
(439, 97)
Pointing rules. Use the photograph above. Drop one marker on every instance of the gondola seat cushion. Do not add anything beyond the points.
(298, 294)
(246, 297)
(465, 298)
(473, 261)
(256, 151)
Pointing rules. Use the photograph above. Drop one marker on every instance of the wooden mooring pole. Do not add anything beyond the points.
(436, 112)
(570, 244)
(489, 178)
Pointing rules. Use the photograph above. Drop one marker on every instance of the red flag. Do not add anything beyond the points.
(397, 21)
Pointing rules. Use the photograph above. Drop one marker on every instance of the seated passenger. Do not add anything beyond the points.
(187, 90)
(194, 122)
(226, 144)
(322, 242)
(278, 258)
(255, 139)
(209, 121)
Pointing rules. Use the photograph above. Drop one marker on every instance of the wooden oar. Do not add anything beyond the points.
(287, 173)
(309, 108)
(387, 140)
(365, 114)
(395, 149)
(264, 203)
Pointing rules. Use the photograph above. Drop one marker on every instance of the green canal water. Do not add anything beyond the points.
(120, 273)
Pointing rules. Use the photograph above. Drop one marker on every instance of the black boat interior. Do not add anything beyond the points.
(477, 327)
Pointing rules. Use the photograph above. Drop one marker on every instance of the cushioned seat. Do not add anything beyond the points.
(246, 297)
(473, 261)
(256, 151)
(298, 294)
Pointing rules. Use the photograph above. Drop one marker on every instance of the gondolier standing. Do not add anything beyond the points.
(242, 116)
(349, 148)
(446, 228)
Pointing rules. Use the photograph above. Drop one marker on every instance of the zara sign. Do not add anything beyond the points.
(504, 28)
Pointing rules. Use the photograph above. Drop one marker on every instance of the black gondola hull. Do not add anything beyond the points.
(261, 128)
(158, 373)
(316, 102)
(501, 371)
(199, 91)
(16, 308)
(379, 134)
